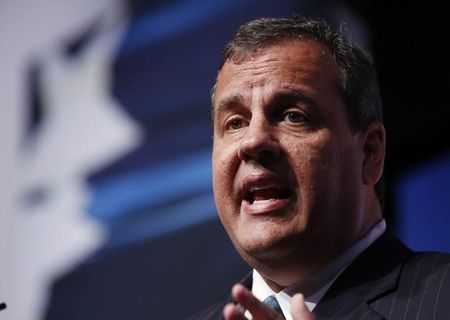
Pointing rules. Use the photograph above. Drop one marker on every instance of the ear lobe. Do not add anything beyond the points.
(374, 142)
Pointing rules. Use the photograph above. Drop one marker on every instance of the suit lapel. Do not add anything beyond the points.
(371, 276)
(247, 281)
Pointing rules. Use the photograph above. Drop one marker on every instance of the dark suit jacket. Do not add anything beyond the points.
(387, 281)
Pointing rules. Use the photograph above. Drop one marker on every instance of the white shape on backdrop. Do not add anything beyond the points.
(83, 130)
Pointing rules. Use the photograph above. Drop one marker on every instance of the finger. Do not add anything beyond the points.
(299, 310)
(246, 299)
(232, 312)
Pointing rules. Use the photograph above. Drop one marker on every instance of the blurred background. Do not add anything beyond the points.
(106, 210)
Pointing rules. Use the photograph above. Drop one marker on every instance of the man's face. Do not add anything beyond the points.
(287, 170)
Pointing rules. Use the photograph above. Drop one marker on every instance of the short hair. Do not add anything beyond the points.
(357, 78)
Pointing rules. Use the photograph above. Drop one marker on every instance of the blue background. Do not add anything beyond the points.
(166, 253)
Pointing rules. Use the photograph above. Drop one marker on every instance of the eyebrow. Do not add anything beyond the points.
(224, 104)
(292, 95)
(286, 95)
(235, 99)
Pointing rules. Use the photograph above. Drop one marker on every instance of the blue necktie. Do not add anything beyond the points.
(273, 304)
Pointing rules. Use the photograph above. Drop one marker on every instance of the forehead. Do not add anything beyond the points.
(303, 65)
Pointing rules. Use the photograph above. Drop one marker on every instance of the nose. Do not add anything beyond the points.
(259, 143)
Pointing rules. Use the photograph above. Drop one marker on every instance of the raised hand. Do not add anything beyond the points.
(259, 310)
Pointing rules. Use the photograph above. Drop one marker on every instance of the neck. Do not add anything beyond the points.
(308, 278)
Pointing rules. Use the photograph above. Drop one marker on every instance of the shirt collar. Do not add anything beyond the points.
(322, 280)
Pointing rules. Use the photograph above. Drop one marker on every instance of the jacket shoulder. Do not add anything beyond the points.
(423, 289)
(432, 266)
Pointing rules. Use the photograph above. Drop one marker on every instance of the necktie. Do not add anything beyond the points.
(273, 304)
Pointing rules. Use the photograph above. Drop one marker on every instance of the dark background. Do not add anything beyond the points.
(165, 258)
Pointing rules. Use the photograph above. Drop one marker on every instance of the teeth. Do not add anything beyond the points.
(253, 189)
(267, 194)
(263, 201)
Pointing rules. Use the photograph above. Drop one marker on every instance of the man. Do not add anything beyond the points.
(297, 160)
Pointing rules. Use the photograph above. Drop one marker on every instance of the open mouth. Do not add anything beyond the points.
(267, 194)
(266, 200)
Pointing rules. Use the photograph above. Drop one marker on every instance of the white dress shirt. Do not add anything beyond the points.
(320, 281)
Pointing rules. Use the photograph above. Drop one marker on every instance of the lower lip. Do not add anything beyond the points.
(263, 206)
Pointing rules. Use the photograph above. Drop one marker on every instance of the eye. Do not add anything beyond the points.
(234, 123)
(294, 117)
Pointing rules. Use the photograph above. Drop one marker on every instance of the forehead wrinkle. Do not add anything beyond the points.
(258, 93)
(257, 67)
(254, 95)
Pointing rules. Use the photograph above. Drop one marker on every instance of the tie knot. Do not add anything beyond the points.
(273, 304)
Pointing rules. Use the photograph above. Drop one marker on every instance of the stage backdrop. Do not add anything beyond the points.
(106, 203)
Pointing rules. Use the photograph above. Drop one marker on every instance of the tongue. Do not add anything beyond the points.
(270, 193)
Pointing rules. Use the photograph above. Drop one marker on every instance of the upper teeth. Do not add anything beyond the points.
(253, 189)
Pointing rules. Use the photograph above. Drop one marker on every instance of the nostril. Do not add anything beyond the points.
(260, 155)
(242, 155)
(259, 148)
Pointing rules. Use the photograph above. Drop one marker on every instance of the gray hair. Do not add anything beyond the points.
(357, 78)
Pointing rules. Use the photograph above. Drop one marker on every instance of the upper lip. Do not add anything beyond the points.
(260, 181)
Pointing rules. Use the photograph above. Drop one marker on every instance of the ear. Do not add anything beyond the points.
(373, 144)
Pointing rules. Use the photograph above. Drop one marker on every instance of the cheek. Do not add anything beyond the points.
(326, 170)
(316, 166)
(223, 170)
(314, 158)
(221, 193)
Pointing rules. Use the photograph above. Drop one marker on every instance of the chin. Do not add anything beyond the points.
(265, 246)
